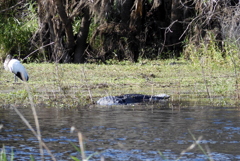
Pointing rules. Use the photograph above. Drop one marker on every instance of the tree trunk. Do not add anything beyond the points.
(125, 11)
(82, 38)
(173, 37)
(67, 24)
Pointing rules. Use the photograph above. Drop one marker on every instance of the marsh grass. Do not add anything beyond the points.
(4, 156)
(73, 85)
(196, 143)
(37, 132)
(219, 66)
(81, 148)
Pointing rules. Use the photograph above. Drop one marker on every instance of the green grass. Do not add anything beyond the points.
(4, 156)
(70, 85)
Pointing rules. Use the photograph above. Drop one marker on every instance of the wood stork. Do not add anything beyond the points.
(14, 66)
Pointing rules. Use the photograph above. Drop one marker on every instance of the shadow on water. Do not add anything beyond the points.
(126, 132)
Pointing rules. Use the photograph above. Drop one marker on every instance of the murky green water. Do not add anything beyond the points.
(133, 133)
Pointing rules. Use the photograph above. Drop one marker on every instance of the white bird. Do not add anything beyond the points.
(15, 66)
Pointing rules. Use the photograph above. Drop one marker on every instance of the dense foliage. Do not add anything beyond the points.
(98, 30)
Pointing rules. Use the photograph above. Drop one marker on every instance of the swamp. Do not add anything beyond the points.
(78, 51)
(199, 121)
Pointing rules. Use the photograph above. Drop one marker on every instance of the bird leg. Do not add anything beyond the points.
(15, 78)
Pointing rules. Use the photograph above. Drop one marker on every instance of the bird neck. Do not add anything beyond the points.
(6, 62)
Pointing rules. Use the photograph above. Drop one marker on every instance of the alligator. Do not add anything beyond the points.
(131, 99)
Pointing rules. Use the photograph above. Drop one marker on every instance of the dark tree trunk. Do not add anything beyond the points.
(125, 11)
(136, 26)
(45, 34)
(173, 37)
(82, 38)
(67, 24)
(55, 23)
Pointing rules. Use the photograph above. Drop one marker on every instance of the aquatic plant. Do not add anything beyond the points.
(195, 144)
(4, 156)
(81, 149)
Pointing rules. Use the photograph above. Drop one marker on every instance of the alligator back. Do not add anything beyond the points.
(110, 100)
(130, 99)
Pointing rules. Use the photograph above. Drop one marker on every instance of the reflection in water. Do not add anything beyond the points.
(125, 133)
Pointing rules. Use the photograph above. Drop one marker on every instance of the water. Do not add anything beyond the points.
(126, 133)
